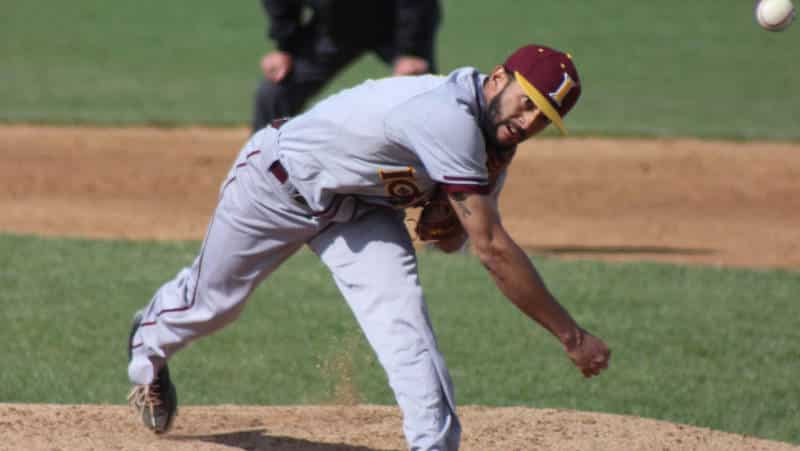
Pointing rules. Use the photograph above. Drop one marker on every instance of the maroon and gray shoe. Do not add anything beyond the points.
(157, 402)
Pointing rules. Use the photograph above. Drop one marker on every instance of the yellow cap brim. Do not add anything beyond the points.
(541, 102)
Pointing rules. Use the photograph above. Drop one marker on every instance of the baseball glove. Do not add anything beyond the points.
(438, 221)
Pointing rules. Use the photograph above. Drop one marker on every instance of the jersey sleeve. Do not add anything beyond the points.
(446, 138)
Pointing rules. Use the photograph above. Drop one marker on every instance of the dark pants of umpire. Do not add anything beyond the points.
(316, 63)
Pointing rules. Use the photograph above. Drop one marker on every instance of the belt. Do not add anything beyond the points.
(277, 168)
(278, 123)
(280, 173)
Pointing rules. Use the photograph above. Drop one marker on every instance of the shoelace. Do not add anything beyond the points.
(145, 396)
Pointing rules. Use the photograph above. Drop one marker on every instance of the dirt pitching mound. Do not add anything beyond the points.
(351, 428)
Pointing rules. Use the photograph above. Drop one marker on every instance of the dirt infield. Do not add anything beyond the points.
(688, 201)
(717, 203)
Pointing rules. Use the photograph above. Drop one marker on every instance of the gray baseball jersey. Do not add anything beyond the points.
(389, 141)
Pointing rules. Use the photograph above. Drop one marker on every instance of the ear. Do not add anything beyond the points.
(500, 74)
(496, 81)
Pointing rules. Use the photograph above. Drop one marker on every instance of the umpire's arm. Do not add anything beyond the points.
(519, 281)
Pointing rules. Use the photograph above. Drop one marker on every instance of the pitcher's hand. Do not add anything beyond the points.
(589, 353)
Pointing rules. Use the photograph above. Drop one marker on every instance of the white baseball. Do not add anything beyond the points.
(774, 15)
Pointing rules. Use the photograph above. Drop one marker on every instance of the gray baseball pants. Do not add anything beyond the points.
(256, 226)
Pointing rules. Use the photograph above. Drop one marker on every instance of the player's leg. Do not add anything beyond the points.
(277, 100)
(388, 52)
(314, 64)
(374, 265)
(255, 227)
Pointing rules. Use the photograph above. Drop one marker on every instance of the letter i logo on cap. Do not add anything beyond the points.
(563, 89)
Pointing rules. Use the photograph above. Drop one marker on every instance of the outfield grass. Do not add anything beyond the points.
(705, 346)
(700, 68)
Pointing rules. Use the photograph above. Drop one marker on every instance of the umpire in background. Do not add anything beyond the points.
(315, 39)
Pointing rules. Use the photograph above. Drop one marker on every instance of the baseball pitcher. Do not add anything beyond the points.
(337, 179)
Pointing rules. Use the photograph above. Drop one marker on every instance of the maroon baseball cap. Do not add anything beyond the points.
(549, 78)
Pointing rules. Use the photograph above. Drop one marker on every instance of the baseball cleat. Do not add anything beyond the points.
(156, 403)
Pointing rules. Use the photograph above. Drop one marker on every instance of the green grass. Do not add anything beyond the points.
(705, 346)
(699, 68)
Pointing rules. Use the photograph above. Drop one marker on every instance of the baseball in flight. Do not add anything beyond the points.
(774, 15)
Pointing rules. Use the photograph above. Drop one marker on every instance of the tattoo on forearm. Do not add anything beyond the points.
(463, 207)
(460, 197)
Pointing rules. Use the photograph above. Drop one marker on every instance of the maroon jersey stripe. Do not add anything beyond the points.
(464, 179)
(477, 189)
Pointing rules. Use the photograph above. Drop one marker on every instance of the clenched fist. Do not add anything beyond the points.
(589, 353)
